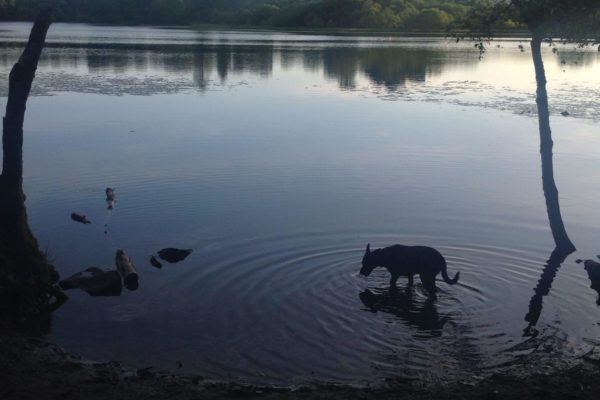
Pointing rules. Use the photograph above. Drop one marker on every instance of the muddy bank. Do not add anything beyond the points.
(33, 368)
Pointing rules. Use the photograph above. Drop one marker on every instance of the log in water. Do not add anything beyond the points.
(127, 270)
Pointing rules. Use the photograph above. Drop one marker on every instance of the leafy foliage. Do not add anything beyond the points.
(570, 20)
(425, 15)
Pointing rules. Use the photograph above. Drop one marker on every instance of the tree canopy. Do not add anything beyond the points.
(572, 20)
(424, 15)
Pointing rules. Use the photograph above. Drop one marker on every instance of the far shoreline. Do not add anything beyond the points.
(306, 30)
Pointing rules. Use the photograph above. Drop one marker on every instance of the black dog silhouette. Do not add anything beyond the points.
(408, 261)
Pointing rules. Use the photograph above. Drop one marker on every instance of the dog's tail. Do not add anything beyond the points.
(447, 279)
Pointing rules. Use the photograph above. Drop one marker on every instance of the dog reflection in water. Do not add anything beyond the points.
(420, 314)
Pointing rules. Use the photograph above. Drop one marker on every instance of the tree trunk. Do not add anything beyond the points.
(25, 275)
(561, 239)
(564, 246)
(20, 81)
(14, 230)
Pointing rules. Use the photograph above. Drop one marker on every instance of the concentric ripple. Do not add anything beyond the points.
(273, 157)
(293, 308)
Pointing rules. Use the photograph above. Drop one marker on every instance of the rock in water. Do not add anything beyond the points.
(593, 269)
(155, 263)
(172, 255)
(82, 219)
(95, 282)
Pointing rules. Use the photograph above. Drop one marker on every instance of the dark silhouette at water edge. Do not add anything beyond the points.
(26, 277)
(564, 246)
(592, 267)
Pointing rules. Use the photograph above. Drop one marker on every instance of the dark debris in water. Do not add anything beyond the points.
(127, 270)
(95, 282)
(592, 268)
(82, 219)
(172, 255)
(110, 198)
(155, 263)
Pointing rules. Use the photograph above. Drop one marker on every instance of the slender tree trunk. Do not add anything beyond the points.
(20, 81)
(14, 230)
(564, 246)
(25, 275)
(561, 239)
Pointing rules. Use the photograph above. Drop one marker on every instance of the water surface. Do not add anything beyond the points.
(277, 157)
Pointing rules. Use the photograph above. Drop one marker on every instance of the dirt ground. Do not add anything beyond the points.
(33, 368)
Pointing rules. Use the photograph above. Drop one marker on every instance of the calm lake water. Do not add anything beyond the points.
(277, 157)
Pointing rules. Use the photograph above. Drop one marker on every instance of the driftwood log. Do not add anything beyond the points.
(95, 282)
(82, 219)
(127, 270)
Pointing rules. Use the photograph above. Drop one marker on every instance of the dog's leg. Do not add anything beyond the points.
(393, 280)
(429, 284)
(432, 290)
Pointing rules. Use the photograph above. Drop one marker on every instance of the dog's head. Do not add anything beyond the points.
(367, 263)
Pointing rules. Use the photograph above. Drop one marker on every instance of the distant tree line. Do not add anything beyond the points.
(419, 15)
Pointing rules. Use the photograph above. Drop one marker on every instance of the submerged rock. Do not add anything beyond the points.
(172, 255)
(82, 219)
(95, 282)
(593, 270)
(155, 263)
